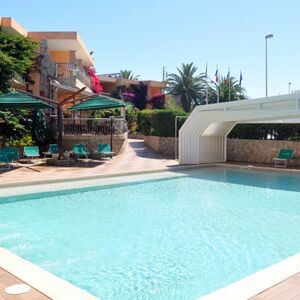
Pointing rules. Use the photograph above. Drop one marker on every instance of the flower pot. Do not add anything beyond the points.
(66, 155)
(55, 156)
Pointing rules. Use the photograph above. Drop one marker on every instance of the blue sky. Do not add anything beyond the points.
(144, 36)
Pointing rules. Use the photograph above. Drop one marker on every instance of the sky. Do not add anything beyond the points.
(143, 36)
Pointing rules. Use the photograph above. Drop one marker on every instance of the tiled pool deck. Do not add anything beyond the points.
(138, 158)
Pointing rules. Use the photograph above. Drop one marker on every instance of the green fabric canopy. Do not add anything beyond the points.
(98, 102)
(19, 100)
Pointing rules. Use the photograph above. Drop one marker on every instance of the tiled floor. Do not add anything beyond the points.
(7, 279)
(288, 289)
(137, 157)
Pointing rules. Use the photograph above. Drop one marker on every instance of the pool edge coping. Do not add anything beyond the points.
(257, 282)
(40, 279)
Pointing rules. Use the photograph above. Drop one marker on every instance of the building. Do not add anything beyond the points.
(64, 63)
(110, 83)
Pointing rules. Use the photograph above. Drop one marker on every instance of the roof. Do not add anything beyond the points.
(19, 100)
(98, 102)
(202, 138)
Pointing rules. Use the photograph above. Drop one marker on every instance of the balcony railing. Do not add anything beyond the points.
(105, 126)
(69, 72)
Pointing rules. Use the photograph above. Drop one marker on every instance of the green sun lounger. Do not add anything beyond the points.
(4, 160)
(105, 150)
(31, 152)
(284, 155)
(12, 153)
(80, 150)
(53, 148)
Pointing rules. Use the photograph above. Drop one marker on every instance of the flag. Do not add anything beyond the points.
(241, 78)
(217, 75)
(206, 71)
(226, 81)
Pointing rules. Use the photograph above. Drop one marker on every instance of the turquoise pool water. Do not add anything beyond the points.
(174, 238)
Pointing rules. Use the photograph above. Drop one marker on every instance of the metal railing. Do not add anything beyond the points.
(73, 71)
(105, 126)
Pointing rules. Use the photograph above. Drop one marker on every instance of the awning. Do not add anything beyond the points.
(19, 100)
(98, 102)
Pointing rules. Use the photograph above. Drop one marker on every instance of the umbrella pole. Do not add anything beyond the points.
(60, 130)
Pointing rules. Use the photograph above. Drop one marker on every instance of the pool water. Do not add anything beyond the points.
(171, 238)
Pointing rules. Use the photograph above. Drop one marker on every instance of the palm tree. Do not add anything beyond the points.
(128, 74)
(236, 91)
(189, 86)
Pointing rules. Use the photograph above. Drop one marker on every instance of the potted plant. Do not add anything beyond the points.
(55, 156)
(66, 154)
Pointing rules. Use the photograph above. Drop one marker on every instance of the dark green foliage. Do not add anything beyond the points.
(14, 125)
(16, 57)
(131, 118)
(159, 122)
(266, 131)
(39, 126)
(105, 113)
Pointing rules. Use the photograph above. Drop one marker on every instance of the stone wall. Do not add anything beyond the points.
(260, 151)
(161, 144)
(92, 141)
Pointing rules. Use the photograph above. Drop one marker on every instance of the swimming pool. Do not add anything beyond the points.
(166, 238)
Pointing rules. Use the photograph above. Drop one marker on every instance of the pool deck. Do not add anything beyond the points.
(137, 158)
(287, 289)
(7, 279)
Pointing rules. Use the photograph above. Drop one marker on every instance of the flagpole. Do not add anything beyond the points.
(229, 84)
(206, 84)
(218, 84)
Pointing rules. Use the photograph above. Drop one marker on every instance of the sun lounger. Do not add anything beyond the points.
(80, 150)
(12, 153)
(53, 148)
(31, 152)
(105, 150)
(4, 160)
(284, 155)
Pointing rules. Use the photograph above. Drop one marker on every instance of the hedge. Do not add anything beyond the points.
(159, 122)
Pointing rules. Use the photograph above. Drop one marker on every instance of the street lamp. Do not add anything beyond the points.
(290, 87)
(269, 36)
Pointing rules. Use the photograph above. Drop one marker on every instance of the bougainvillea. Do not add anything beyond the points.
(95, 81)
(158, 101)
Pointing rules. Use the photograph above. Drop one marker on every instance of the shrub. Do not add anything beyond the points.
(159, 122)
(131, 118)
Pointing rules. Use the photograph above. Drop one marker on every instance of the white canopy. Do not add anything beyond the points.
(202, 138)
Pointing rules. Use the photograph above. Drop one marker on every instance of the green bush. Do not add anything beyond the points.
(131, 118)
(159, 122)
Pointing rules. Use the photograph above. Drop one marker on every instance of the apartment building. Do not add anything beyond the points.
(64, 63)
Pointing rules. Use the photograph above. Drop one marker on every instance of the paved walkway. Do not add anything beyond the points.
(137, 157)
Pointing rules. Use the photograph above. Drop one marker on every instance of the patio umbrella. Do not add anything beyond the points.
(98, 102)
(20, 100)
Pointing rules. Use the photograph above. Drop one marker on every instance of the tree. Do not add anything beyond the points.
(128, 74)
(140, 95)
(189, 86)
(236, 91)
(17, 54)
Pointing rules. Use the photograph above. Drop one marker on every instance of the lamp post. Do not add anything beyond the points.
(268, 36)
(290, 87)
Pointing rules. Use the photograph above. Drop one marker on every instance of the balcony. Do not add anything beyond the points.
(68, 73)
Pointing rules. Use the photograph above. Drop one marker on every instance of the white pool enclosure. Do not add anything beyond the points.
(202, 138)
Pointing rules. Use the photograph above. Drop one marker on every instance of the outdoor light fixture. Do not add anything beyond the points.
(268, 36)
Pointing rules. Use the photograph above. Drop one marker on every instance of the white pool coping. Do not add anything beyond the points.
(258, 282)
(40, 279)
(59, 289)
